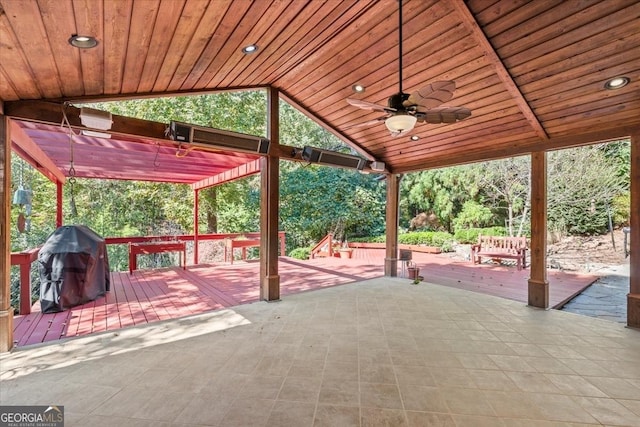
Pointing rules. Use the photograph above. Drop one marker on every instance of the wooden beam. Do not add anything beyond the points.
(470, 23)
(6, 311)
(344, 138)
(514, 150)
(391, 225)
(538, 284)
(269, 205)
(53, 113)
(241, 171)
(196, 224)
(29, 151)
(633, 298)
(59, 203)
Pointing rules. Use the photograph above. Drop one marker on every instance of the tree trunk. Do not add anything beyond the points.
(210, 195)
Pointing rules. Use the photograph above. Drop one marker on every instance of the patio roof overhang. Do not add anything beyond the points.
(532, 73)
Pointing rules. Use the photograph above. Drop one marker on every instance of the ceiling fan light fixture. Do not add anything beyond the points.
(617, 83)
(400, 123)
(82, 42)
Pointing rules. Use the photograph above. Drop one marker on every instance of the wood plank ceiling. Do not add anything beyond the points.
(532, 72)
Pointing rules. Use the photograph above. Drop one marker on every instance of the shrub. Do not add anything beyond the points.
(300, 253)
(470, 235)
(429, 238)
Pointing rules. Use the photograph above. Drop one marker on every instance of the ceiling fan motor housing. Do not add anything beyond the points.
(395, 101)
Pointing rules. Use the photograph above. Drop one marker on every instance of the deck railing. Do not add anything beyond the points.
(26, 258)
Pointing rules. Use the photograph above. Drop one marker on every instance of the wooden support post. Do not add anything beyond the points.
(269, 204)
(538, 284)
(393, 199)
(6, 311)
(196, 225)
(59, 202)
(633, 298)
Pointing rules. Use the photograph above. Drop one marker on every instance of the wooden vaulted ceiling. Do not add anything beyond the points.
(532, 72)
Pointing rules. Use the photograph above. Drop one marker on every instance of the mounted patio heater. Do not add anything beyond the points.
(332, 158)
(217, 139)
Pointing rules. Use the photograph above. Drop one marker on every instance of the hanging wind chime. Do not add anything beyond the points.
(72, 176)
(22, 197)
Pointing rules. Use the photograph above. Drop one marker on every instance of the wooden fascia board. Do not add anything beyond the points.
(29, 150)
(468, 20)
(241, 171)
(151, 95)
(351, 143)
(551, 144)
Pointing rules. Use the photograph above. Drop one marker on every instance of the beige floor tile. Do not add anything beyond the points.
(466, 402)
(300, 389)
(476, 421)
(205, 410)
(341, 370)
(548, 365)
(452, 377)
(338, 392)
(617, 388)
(261, 387)
(491, 380)
(380, 396)
(532, 382)
(110, 421)
(511, 363)
(336, 416)
(513, 404)
(632, 405)
(574, 385)
(248, 412)
(125, 401)
(608, 411)
(417, 375)
(374, 417)
(377, 373)
(423, 399)
(475, 361)
(554, 407)
(163, 406)
(288, 414)
(367, 354)
(429, 419)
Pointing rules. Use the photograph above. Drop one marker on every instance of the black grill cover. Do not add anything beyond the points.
(74, 268)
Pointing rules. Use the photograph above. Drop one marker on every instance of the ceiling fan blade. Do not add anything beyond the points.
(368, 123)
(432, 95)
(368, 105)
(443, 115)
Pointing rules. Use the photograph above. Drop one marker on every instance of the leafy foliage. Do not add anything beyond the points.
(300, 253)
(470, 235)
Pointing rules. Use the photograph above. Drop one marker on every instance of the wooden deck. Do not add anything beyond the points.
(151, 295)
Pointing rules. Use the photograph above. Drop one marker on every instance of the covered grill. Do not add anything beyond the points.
(74, 268)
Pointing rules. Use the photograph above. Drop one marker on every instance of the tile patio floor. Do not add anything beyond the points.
(372, 353)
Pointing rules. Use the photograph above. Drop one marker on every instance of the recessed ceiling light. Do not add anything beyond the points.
(249, 49)
(358, 88)
(617, 83)
(415, 137)
(83, 42)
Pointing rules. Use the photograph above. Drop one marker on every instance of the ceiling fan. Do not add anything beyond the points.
(424, 105)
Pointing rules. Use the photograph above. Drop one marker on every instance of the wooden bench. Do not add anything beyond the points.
(155, 248)
(500, 247)
(231, 244)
